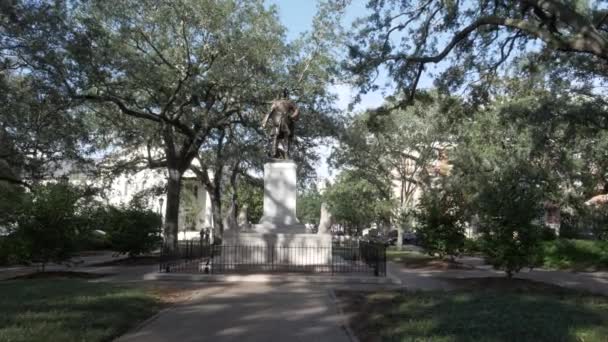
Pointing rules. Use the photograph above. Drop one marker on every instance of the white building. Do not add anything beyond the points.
(195, 207)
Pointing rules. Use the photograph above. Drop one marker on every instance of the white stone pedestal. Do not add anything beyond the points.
(280, 194)
(277, 248)
(279, 238)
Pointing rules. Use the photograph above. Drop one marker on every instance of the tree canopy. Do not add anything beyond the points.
(472, 42)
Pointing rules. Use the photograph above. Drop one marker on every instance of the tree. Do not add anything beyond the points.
(397, 151)
(507, 170)
(40, 136)
(309, 206)
(177, 70)
(441, 218)
(356, 203)
(306, 67)
(474, 39)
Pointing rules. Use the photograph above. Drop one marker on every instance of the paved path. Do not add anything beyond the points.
(248, 312)
(76, 264)
(426, 279)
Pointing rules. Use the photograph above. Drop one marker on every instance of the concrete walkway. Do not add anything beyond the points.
(75, 264)
(426, 279)
(248, 312)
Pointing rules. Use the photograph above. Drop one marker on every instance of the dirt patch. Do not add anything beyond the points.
(61, 274)
(169, 294)
(136, 261)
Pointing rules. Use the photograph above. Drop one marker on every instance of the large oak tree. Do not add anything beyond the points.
(180, 69)
(472, 41)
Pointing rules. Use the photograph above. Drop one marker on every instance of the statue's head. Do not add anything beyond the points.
(285, 93)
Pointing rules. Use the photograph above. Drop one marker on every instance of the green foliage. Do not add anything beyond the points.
(133, 230)
(596, 220)
(441, 222)
(49, 225)
(472, 247)
(185, 76)
(398, 146)
(509, 203)
(37, 131)
(309, 206)
(580, 255)
(356, 203)
(472, 42)
(12, 201)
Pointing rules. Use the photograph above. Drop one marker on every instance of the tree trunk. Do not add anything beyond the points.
(172, 208)
(233, 198)
(216, 208)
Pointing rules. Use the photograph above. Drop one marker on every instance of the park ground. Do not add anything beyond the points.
(436, 301)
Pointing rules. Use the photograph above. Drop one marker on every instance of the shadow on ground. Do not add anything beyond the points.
(248, 312)
(490, 309)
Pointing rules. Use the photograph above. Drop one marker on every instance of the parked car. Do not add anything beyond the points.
(410, 238)
(392, 237)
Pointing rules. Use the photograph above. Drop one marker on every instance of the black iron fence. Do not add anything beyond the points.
(198, 257)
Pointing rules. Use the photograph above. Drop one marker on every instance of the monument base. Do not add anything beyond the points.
(279, 239)
(295, 249)
(272, 228)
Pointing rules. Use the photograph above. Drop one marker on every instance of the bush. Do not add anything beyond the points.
(576, 254)
(47, 229)
(8, 250)
(510, 239)
(548, 234)
(441, 223)
(472, 247)
(585, 222)
(96, 219)
(597, 220)
(133, 230)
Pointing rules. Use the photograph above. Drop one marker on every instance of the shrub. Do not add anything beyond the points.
(47, 229)
(547, 234)
(576, 254)
(597, 220)
(10, 250)
(509, 203)
(95, 218)
(472, 246)
(133, 230)
(441, 223)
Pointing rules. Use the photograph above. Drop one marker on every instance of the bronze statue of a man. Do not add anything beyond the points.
(283, 114)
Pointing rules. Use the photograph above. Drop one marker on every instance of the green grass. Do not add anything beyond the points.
(479, 314)
(405, 256)
(576, 254)
(70, 310)
(415, 259)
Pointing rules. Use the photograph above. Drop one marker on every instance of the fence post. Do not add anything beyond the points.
(377, 259)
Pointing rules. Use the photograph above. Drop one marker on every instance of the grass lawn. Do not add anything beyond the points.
(490, 309)
(576, 254)
(62, 309)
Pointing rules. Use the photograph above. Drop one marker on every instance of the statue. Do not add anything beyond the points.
(283, 115)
